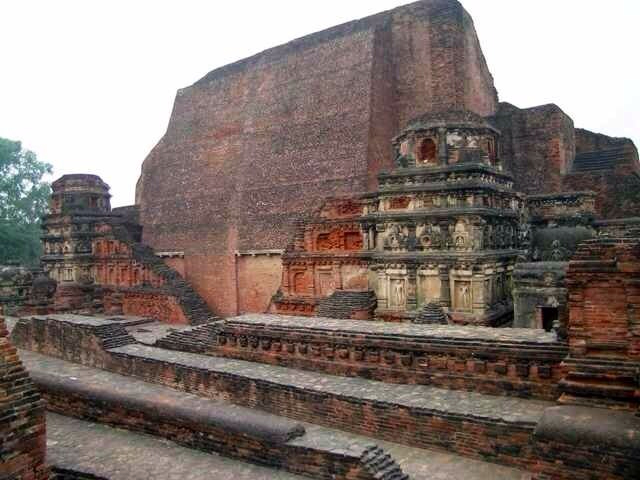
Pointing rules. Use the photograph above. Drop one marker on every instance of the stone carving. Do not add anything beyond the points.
(556, 253)
(396, 239)
(464, 296)
(397, 293)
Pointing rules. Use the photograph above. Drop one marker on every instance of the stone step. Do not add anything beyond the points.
(135, 405)
(601, 389)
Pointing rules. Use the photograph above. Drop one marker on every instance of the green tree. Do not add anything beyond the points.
(24, 198)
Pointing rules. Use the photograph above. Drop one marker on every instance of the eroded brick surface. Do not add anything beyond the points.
(116, 454)
(22, 418)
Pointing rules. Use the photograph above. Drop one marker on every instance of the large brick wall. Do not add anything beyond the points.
(257, 144)
(542, 149)
(617, 186)
(537, 145)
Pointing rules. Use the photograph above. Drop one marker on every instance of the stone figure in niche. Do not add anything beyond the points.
(398, 293)
(500, 287)
(486, 236)
(477, 238)
(465, 299)
(425, 240)
(459, 241)
(401, 160)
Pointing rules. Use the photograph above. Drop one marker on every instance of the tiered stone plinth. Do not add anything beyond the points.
(443, 226)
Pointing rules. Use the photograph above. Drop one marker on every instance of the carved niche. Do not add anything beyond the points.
(399, 203)
(428, 151)
(461, 240)
(339, 239)
(396, 239)
(430, 237)
(300, 283)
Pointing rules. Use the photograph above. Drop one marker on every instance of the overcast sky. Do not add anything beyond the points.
(89, 85)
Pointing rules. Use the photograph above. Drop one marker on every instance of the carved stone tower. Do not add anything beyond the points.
(77, 201)
(443, 225)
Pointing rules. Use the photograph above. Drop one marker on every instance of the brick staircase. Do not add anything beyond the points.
(347, 304)
(196, 339)
(194, 307)
(431, 313)
(599, 159)
(601, 382)
(381, 465)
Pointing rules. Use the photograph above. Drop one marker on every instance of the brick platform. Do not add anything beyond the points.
(87, 395)
(552, 442)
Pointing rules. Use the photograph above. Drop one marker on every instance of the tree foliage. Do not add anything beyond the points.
(23, 200)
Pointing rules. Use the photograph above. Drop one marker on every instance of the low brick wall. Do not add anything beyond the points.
(497, 368)
(586, 443)
(549, 456)
(83, 340)
(549, 445)
(507, 443)
(204, 425)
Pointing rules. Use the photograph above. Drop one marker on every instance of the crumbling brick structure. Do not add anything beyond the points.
(97, 259)
(22, 418)
(603, 280)
(15, 286)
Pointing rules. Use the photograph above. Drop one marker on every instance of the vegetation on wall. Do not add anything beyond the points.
(24, 198)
